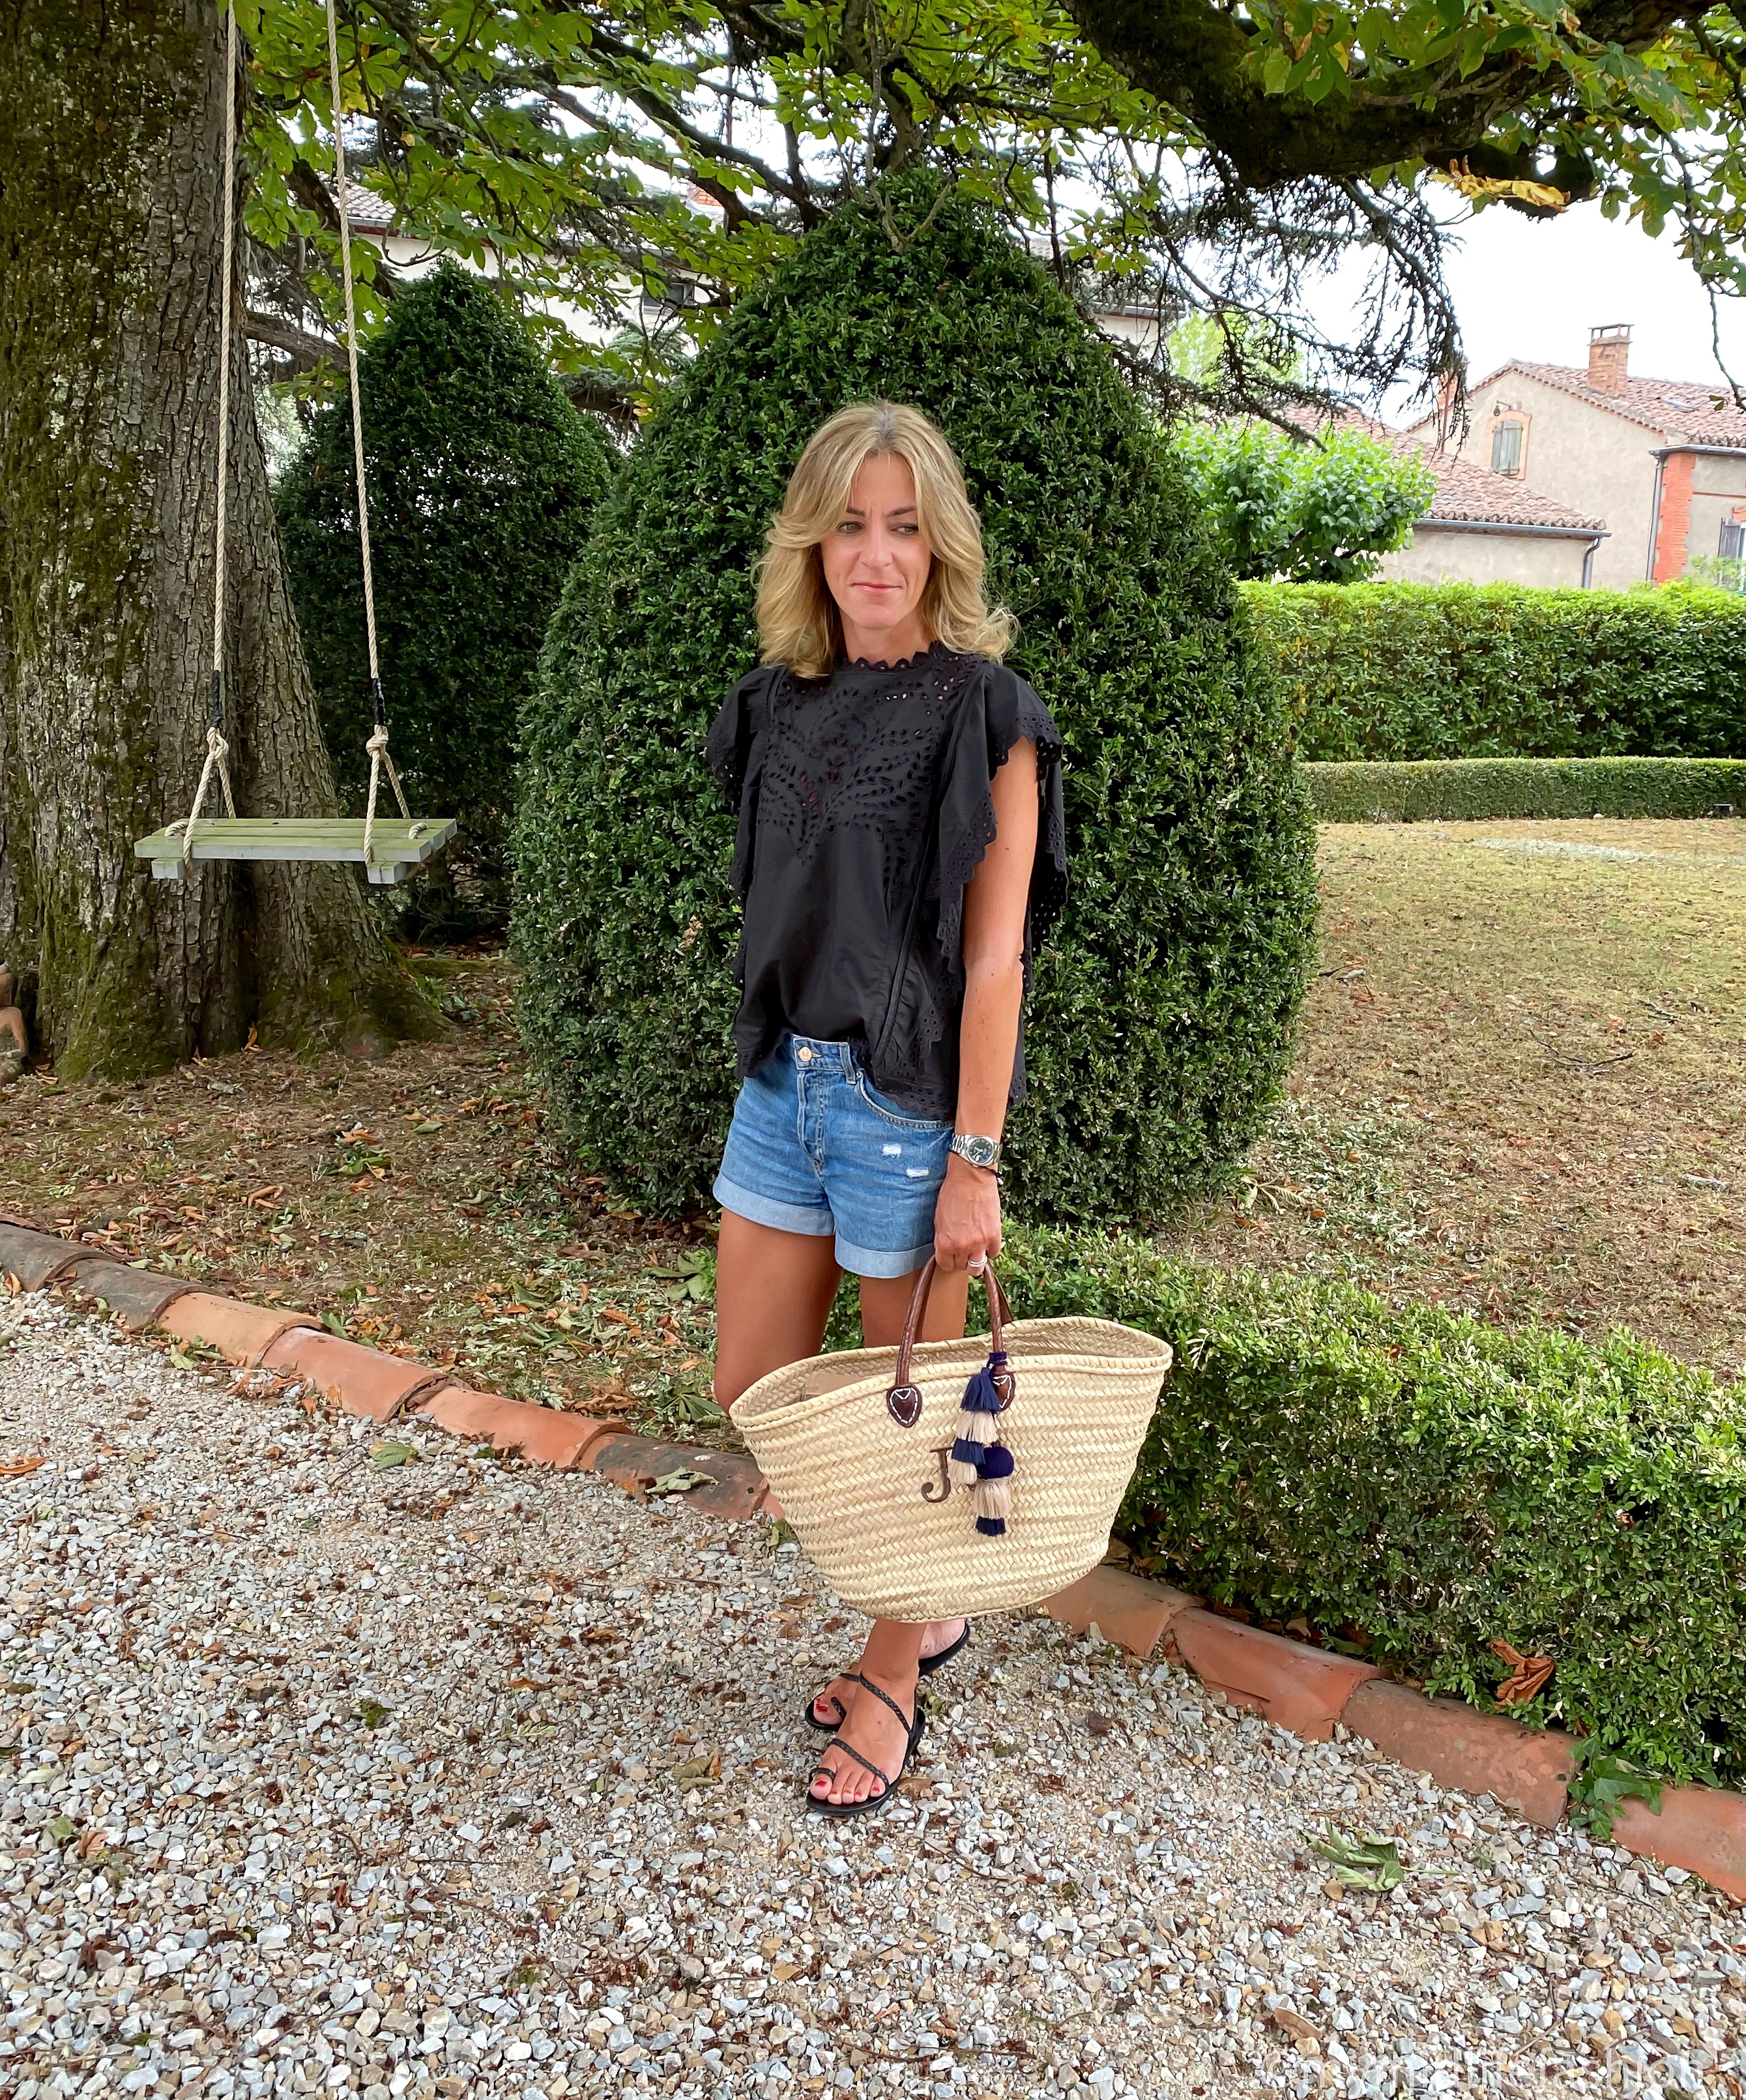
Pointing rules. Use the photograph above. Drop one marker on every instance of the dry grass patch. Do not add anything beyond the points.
(1521, 1089)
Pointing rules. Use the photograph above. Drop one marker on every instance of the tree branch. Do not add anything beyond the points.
(1195, 58)
(304, 350)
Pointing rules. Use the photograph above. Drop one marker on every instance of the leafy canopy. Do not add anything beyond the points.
(1186, 155)
(1321, 510)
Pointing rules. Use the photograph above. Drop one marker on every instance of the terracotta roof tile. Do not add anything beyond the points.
(1466, 494)
(1683, 411)
(1473, 496)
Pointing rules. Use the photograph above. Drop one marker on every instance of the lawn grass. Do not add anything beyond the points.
(1520, 1091)
(1521, 1086)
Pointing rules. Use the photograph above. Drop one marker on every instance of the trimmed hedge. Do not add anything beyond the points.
(1412, 671)
(482, 480)
(1438, 1483)
(1162, 1015)
(1457, 788)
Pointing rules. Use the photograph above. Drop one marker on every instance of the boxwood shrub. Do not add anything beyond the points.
(1367, 792)
(482, 480)
(1435, 1484)
(1406, 670)
(1163, 1006)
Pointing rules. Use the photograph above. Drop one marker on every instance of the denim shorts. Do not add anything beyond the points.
(813, 1148)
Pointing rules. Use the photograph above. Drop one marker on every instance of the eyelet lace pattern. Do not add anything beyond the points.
(905, 755)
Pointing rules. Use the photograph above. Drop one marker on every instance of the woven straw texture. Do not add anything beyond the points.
(850, 1479)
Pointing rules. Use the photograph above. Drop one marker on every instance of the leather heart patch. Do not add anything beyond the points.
(904, 1402)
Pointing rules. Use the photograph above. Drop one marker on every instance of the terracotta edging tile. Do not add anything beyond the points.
(1699, 1827)
(1128, 1609)
(236, 1329)
(546, 1436)
(736, 1489)
(1288, 1682)
(364, 1381)
(138, 1297)
(1461, 1747)
(36, 1259)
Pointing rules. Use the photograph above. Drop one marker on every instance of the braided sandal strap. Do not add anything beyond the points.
(833, 1774)
(848, 1749)
(866, 1684)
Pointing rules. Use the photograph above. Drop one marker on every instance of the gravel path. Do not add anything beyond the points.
(447, 1776)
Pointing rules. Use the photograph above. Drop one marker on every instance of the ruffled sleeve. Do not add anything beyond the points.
(1000, 711)
(732, 733)
(735, 749)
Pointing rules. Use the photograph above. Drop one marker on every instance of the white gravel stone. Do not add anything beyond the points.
(323, 1778)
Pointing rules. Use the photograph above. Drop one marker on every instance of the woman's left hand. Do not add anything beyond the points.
(966, 1218)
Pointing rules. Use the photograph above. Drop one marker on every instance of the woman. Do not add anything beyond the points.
(900, 849)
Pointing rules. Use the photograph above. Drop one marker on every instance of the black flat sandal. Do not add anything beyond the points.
(926, 1668)
(840, 1811)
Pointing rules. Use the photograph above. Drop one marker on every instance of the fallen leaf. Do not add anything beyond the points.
(1371, 1864)
(681, 1481)
(1295, 2024)
(700, 1772)
(1527, 1674)
(386, 1456)
(12, 1469)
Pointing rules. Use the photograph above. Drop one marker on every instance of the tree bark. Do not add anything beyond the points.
(111, 195)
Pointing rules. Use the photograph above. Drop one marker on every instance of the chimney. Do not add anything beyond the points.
(1609, 354)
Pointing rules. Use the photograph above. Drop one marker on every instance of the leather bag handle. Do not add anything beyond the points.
(904, 1400)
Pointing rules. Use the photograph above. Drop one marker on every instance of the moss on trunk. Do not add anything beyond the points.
(111, 196)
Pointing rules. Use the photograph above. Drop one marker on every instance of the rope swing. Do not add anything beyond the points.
(377, 745)
(388, 850)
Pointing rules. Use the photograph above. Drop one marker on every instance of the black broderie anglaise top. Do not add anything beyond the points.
(864, 809)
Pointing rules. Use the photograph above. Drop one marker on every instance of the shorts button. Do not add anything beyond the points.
(805, 1055)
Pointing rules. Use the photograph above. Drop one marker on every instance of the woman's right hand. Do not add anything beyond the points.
(967, 1217)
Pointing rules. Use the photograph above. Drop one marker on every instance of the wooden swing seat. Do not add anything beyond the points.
(397, 846)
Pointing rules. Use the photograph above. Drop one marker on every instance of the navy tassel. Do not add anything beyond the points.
(975, 1423)
(992, 1500)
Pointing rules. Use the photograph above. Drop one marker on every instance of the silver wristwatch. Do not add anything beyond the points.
(979, 1151)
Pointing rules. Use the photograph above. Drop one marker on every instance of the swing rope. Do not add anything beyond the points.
(218, 751)
(377, 745)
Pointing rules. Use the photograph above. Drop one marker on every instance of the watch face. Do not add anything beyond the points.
(979, 1151)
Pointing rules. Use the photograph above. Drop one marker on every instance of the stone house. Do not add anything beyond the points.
(1661, 463)
(1489, 528)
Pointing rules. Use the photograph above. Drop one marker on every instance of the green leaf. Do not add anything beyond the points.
(1603, 1780)
(62, 1828)
(370, 1712)
(700, 1408)
(1371, 1864)
(386, 1456)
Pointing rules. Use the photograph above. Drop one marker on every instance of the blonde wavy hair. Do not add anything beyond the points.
(798, 621)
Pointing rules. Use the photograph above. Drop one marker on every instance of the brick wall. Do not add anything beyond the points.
(1673, 524)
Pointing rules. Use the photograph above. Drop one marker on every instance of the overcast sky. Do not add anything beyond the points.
(1533, 289)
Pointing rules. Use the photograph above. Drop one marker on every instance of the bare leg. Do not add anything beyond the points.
(772, 1297)
(893, 1646)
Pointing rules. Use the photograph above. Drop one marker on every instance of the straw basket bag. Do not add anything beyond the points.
(919, 1496)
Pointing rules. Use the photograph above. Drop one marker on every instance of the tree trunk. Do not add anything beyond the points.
(111, 192)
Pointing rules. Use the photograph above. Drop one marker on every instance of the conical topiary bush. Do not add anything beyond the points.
(482, 480)
(1162, 1008)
